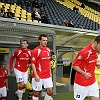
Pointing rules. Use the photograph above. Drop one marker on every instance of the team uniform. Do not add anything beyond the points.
(22, 58)
(6, 71)
(28, 86)
(41, 59)
(97, 72)
(86, 60)
(3, 77)
(53, 63)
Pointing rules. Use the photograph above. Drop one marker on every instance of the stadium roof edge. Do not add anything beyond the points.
(48, 26)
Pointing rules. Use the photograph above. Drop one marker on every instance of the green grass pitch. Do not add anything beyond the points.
(64, 96)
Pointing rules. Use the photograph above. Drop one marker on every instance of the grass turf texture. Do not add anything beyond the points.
(64, 96)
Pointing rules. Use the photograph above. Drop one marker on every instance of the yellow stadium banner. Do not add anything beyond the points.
(4, 50)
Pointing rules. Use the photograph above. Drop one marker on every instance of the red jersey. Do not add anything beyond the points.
(3, 76)
(41, 59)
(86, 60)
(6, 71)
(22, 59)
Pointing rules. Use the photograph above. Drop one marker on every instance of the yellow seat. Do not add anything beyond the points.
(28, 13)
(23, 11)
(13, 6)
(29, 17)
(1, 3)
(18, 11)
(7, 5)
(35, 21)
(23, 19)
(23, 16)
(29, 20)
(16, 18)
(17, 15)
(18, 7)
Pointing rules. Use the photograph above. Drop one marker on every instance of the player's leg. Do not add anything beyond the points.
(37, 87)
(30, 90)
(80, 92)
(95, 98)
(20, 81)
(16, 92)
(48, 85)
(4, 93)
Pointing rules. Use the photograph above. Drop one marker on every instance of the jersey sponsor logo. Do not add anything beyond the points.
(24, 58)
(92, 61)
(45, 58)
(79, 57)
(78, 96)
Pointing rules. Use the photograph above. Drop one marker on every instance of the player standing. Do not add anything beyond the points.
(22, 55)
(41, 69)
(3, 80)
(85, 83)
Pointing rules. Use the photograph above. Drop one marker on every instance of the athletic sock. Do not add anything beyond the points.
(20, 92)
(35, 97)
(47, 96)
(4, 98)
(30, 93)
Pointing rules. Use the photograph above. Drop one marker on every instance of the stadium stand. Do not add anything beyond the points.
(58, 11)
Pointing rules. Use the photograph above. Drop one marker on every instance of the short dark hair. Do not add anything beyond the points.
(97, 39)
(26, 41)
(1, 63)
(42, 35)
(52, 53)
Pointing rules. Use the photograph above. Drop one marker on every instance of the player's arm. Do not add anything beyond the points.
(53, 64)
(29, 72)
(76, 65)
(33, 61)
(50, 69)
(77, 68)
(11, 61)
(6, 81)
(37, 78)
(85, 74)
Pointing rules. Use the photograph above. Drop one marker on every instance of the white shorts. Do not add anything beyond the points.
(21, 76)
(80, 92)
(37, 86)
(3, 92)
